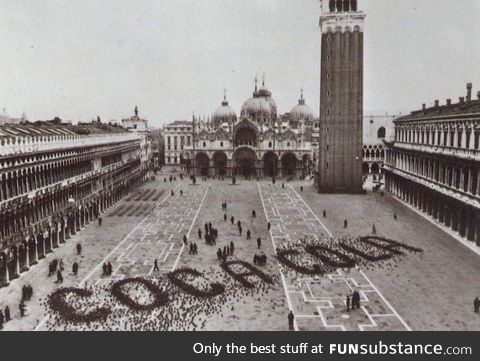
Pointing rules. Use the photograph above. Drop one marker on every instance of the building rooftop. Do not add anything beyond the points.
(465, 105)
(179, 122)
(56, 127)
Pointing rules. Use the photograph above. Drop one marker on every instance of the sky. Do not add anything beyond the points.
(77, 59)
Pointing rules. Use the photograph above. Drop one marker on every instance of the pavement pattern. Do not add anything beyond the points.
(319, 302)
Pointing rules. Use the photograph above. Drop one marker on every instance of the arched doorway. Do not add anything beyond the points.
(220, 163)
(245, 133)
(202, 163)
(306, 165)
(365, 168)
(12, 263)
(270, 164)
(245, 162)
(289, 164)
(3, 269)
(22, 254)
(32, 251)
(375, 168)
(40, 246)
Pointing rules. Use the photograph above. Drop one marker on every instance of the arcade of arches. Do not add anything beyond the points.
(247, 163)
(45, 203)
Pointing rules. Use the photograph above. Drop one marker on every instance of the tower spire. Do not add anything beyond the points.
(301, 100)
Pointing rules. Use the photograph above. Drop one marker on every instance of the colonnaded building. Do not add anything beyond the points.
(433, 163)
(54, 179)
(258, 143)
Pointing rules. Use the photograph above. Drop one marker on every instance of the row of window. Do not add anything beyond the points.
(447, 138)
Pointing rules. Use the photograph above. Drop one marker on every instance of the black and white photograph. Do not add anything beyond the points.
(240, 165)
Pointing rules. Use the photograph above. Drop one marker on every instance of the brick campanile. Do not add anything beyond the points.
(341, 98)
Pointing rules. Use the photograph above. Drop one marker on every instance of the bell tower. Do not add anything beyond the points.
(341, 98)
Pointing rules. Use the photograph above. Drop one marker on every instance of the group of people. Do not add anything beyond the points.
(227, 251)
(107, 269)
(4, 317)
(193, 248)
(53, 265)
(211, 234)
(171, 178)
(260, 259)
(353, 300)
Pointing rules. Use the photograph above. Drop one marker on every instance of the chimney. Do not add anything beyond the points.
(424, 106)
(469, 92)
(437, 103)
(478, 95)
(449, 101)
(462, 100)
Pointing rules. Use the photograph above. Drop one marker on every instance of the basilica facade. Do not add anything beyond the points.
(256, 143)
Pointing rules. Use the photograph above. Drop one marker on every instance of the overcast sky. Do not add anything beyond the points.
(81, 58)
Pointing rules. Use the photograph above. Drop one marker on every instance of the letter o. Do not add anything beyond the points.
(195, 347)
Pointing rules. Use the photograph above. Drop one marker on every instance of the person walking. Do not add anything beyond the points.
(75, 268)
(7, 314)
(100, 220)
(155, 266)
(476, 305)
(259, 242)
(21, 308)
(291, 319)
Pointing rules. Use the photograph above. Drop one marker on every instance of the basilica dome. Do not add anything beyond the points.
(301, 111)
(260, 107)
(256, 108)
(224, 114)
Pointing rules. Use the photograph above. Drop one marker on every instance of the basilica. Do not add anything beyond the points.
(256, 143)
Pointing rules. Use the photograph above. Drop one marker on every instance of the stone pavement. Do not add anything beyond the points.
(319, 302)
(158, 236)
(431, 291)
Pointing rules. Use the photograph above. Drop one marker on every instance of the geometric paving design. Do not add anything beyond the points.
(319, 302)
(158, 236)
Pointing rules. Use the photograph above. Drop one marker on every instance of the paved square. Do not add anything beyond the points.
(433, 290)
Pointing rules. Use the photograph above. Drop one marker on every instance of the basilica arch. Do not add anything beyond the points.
(220, 163)
(202, 163)
(289, 164)
(245, 158)
(306, 165)
(270, 164)
(245, 133)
